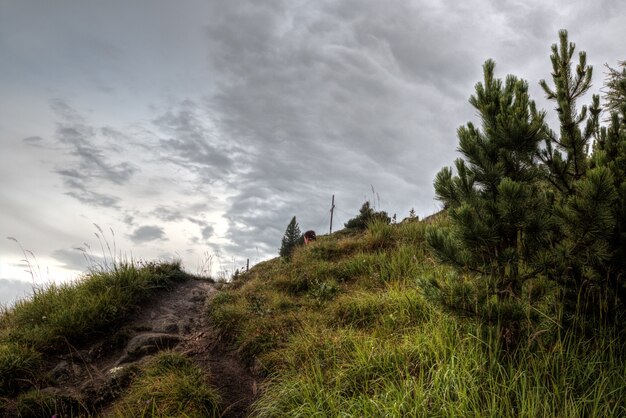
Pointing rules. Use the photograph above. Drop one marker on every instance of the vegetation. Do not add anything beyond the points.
(366, 215)
(610, 152)
(370, 325)
(170, 385)
(58, 318)
(584, 195)
(495, 201)
(519, 211)
(291, 239)
(615, 92)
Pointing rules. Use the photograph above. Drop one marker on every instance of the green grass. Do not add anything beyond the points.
(394, 307)
(58, 317)
(37, 404)
(371, 325)
(170, 385)
(18, 364)
(440, 369)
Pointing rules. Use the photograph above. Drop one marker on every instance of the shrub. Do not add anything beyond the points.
(366, 215)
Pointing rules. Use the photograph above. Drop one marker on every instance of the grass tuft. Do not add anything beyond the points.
(35, 404)
(18, 366)
(390, 309)
(170, 385)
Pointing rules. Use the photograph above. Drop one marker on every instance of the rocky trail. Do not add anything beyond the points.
(174, 319)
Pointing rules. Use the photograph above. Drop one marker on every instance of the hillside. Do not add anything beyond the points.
(355, 324)
(360, 323)
(370, 324)
(132, 340)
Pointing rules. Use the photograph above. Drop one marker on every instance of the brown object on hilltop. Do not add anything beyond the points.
(309, 236)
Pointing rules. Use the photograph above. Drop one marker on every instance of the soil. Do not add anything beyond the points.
(174, 319)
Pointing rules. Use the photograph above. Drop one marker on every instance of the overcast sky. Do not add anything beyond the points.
(197, 129)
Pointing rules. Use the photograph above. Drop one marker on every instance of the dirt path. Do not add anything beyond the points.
(234, 381)
(175, 319)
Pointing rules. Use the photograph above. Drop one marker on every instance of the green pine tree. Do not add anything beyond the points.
(290, 239)
(615, 96)
(495, 201)
(569, 86)
(610, 152)
(584, 206)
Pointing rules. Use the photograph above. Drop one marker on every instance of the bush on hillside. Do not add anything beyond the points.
(366, 215)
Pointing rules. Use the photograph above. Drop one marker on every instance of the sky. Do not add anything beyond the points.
(195, 130)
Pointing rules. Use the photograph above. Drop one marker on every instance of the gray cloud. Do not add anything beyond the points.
(168, 214)
(12, 290)
(91, 167)
(335, 96)
(193, 144)
(79, 259)
(128, 219)
(34, 141)
(116, 138)
(182, 211)
(80, 191)
(147, 233)
(91, 161)
(207, 232)
(207, 229)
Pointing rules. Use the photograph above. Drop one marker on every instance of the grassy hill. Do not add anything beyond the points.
(360, 323)
(369, 324)
(50, 343)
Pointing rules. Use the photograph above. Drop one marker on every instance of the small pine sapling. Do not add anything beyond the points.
(290, 239)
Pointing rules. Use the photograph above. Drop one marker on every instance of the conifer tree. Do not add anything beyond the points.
(615, 95)
(290, 239)
(585, 192)
(569, 86)
(610, 152)
(495, 202)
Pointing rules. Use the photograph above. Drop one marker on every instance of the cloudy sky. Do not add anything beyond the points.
(196, 129)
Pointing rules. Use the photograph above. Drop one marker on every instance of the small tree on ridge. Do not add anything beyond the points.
(290, 239)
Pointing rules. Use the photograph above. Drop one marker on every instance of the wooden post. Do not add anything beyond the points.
(332, 209)
(247, 264)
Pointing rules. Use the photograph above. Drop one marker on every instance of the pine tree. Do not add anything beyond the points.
(569, 86)
(585, 191)
(615, 96)
(610, 152)
(290, 239)
(495, 201)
